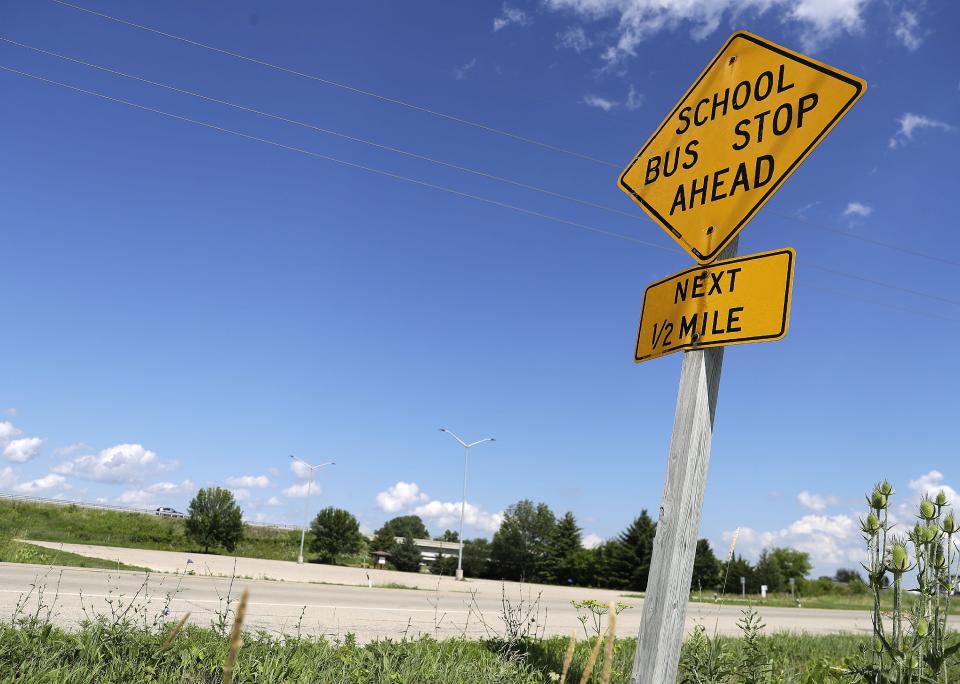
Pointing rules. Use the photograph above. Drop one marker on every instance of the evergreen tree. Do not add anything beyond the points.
(732, 571)
(562, 560)
(335, 532)
(768, 572)
(476, 557)
(706, 568)
(628, 564)
(407, 556)
(519, 546)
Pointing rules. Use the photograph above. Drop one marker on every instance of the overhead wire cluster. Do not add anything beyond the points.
(435, 161)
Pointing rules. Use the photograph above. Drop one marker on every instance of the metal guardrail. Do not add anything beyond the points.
(122, 509)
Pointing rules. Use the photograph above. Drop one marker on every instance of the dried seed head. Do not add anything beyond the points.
(922, 627)
(927, 510)
(949, 524)
(878, 500)
(899, 561)
(941, 499)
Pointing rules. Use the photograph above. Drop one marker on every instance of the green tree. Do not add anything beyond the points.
(562, 561)
(448, 536)
(407, 556)
(769, 572)
(335, 533)
(476, 557)
(846, 575)
(519, 546)
(732, 571)
(706, 568)
(214, 518)
(385, 539)
(628, 559)
(792, 563)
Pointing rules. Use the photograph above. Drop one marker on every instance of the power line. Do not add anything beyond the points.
(490, 129)
(415, 181)
(414, 155)
(327, 131)
(344, 86)
(370, 169)
(877, 302)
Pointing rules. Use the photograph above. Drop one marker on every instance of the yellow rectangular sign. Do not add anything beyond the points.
(746, 299)
(742, 128)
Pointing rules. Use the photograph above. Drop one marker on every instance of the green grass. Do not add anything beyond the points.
(77, 525)
(12, 551)
(863, 602)
(33, 652)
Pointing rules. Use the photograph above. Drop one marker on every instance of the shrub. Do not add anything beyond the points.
(214, 518)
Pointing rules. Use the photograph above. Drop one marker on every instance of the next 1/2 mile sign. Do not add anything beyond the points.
(755, 113)
(728, 302)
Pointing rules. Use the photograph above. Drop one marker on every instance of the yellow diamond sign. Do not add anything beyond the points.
(744, 126)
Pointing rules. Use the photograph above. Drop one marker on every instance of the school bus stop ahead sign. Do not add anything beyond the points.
(740, 300)
(744, 126)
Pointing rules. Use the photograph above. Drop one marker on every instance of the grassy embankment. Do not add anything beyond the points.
(49, 655)
(861, 602)
(77, 525)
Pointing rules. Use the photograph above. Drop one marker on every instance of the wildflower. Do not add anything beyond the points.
(941, 499)
(871, 525)
(899, 561)
(927, 510)
(949, 524)
(922, 627)
(878, 500)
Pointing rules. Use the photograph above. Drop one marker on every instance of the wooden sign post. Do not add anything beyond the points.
(744, 126)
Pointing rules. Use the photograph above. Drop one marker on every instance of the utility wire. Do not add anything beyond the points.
(327, 131)
(416, 181)
(450, 117)
(370, 169)
(878, 302)
(422, 157)
(344, 86)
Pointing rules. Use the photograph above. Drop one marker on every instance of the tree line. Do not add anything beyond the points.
(532, 545)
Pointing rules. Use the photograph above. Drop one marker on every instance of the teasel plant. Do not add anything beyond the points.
(909, 642)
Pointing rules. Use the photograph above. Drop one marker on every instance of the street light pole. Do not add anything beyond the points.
(463, 503)
(306, 501)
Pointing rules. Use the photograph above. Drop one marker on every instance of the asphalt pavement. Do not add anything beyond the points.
(334, 601)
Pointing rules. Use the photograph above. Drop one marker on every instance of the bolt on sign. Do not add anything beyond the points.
(746, 299)
(748, 121)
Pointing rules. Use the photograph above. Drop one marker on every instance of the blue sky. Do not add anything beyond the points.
(185, 307)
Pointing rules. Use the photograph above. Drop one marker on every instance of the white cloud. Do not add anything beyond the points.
(908, 31)
(816, 502)
(930, 484)
(599, 102)
(23, 449)
(857, 209)
(70, 450)
(831, 540)
(909, 123)
(460, 72)
(299, 490)
(8, 431)
(248, 481)
(446, 513)
(152, 493)
(43, 484)
(399, 496)
(511, 16)
(634, 99)
(592, 541)
(8, 412)
(300, 469)
(818, 21)
(117, 464)
(240, 494)
(574, 38)
(8, 478)
(273, 501)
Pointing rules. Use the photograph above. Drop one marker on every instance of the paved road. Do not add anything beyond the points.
(335, 600)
